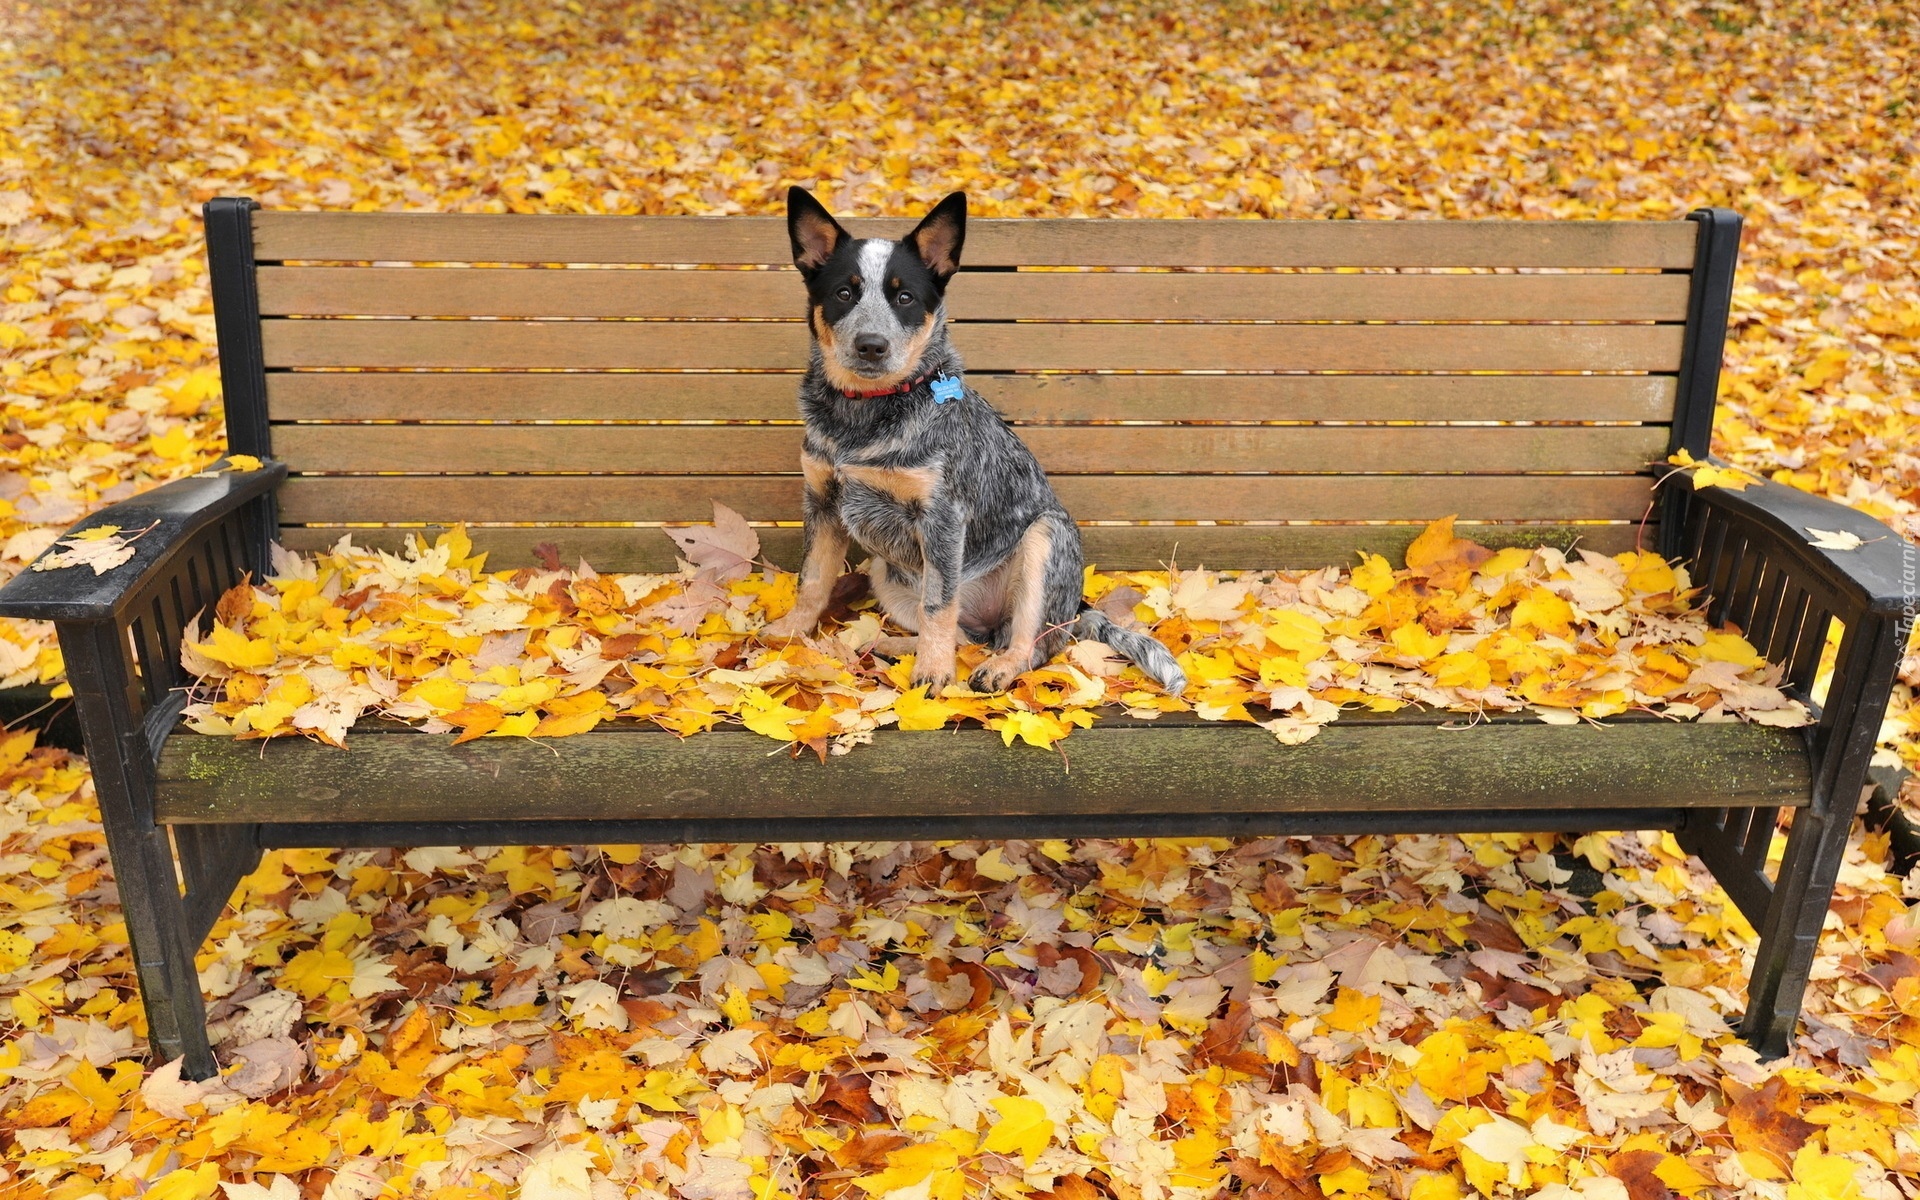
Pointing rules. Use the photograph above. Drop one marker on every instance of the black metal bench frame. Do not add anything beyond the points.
(121, 633)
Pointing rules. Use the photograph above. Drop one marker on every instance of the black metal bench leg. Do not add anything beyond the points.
(163, 935)
(1791, 931)
(159, 928)
(1842, 745)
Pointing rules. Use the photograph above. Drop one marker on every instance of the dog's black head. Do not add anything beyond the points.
(874, 306)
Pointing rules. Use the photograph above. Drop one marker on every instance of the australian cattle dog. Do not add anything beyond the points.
(901, 456)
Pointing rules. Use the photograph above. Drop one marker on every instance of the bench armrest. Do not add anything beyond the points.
(177, 511)
(1881, 576)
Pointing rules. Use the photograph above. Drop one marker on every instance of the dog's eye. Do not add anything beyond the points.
(904, 299)
(844, 294)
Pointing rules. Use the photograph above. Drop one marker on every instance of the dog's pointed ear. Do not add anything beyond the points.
(938, 238)
(814, 232)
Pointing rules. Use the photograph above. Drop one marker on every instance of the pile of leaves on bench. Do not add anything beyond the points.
(430, 636)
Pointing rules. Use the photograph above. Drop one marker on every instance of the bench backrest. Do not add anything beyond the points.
(1303, 389)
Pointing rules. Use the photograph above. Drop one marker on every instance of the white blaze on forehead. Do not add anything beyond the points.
(873, 313)
(874, 253)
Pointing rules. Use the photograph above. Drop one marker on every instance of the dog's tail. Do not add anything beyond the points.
(1142, 650)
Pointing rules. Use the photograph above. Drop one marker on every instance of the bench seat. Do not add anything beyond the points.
(1404, 772)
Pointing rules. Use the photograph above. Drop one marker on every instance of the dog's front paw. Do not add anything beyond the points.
(995, 675)
(935, 676)
(786, 629)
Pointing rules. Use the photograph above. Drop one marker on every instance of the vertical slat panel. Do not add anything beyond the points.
(1768, 594)
(1812, 640)
(1758, 839)
(1744, 591)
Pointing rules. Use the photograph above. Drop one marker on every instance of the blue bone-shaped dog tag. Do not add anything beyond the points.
(946, 388)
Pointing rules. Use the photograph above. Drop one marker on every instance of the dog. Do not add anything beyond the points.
(902, 457)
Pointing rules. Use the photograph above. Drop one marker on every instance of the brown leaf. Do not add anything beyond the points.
(1767, 1119)
(1071, 1187)
(1224, 1033)
(1635, 1169)
(847, 1097)
(848, 591)
(723, 551)
(1491, 931)
(475, 720)
(235, 606)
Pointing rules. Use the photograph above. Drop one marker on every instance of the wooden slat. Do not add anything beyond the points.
(782, 345)
(667, 396)
(1225, 547)
(500, 499)
(1077, 296)
(476, 237)
(1068, 449)
(636, 774)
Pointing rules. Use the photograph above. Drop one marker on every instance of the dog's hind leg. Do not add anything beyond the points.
(1040, 562)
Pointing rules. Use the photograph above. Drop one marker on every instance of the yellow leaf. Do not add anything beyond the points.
(885, 980)
(1448, 1069)
(1821, 1176)
(237, 650)
(516, 725)
(1510, 559)
(1541, 610)
(1297, 633)
(441, 693)
(917, 712)
(186, 1183)
(1041, 730)
(94, 533)
(737, 1008)
(909, 1165)
(1413, 641)
(1434, 543)
(1023, 1128)
(567, 726)
(1353, 1011)
(312, 972)
(1374, 575)
(242, 462)
(1732, 648)
(1463, 669)
(173, 444)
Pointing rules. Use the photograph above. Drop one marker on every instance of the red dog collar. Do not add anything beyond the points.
(892, 391)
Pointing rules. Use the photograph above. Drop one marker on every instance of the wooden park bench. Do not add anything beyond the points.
(1370, 376)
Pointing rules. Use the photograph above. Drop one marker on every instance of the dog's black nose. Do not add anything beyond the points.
(870, 346)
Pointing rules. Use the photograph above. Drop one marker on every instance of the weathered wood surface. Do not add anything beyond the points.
(995, 296)
(639, 774)
(674, 396)
(1062, 449)
(1139, 547)
(476, 237)
(987, 346)
(496, 499)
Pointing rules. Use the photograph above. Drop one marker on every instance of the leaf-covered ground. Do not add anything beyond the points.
(1411, 1017)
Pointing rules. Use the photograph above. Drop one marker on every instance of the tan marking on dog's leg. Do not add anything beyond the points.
(907, 485)
(826, 555)
(1026, 593)
(934, 649)
(892, 647)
